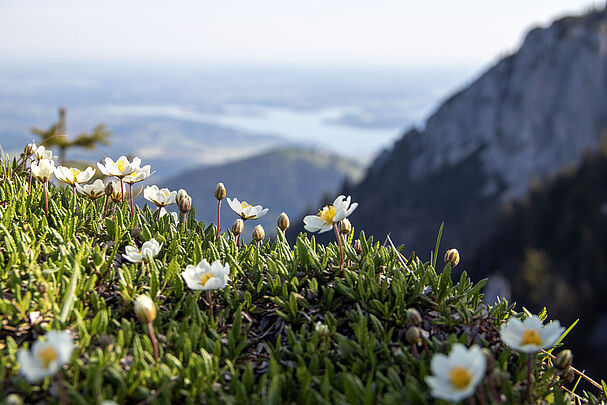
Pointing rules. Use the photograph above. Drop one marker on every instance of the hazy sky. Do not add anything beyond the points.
(310, 32)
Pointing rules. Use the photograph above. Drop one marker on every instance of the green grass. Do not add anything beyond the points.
(262, 344)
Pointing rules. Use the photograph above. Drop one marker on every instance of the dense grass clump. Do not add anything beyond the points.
(290, 327)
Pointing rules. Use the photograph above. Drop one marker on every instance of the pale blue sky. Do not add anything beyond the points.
(310, 32)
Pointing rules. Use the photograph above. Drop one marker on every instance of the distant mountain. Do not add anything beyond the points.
(290, 180)
(525, 118)
(551, 246)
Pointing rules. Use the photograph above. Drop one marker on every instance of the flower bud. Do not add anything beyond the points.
(184, 201)
(563, 360)
(145, 309)
(452, 256)
(283, 222)
(568, 376)
(322, 329)
(220, 192)
(13, 399)
(109, 189)
(414, 318)
(497, 377)
(414, 335)
(258, 233)
(30, 149)
(358, 247)
(238, 227)
(345, 226)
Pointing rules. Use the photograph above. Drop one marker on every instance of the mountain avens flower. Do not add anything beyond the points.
(71, 175)
(148, 251)
(45, 358)
(43, 153)
(328, 217)
(92, 191)
(119, 169)
(456, 376)
(117, 191)
(530, 336)
(205, 276)
(138, 175)
(452, 257)
(42, 171)
(246, 210)
(160, 197)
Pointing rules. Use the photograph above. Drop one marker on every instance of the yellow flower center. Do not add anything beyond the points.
(327, 213)
(531, 337)
(76, 172)
(245, 204)
(205, 277)
(121, 163)
(460, 377)
(166, 193)
(47, 356)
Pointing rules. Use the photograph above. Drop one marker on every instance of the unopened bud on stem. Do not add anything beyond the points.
(414, 317)
(258, 233)
(145, 309)
(220, 192)
(238, 227)
(345, 226)
(563, 360)
(184, 201)
(452, 257)
(283, 222)
(358, 247)
(30, 149)
(414, 335)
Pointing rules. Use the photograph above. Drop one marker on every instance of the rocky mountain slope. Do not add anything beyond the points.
(290, 180)
(524, 119)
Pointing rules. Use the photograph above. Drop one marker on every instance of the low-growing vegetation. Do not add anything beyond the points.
(292, 324)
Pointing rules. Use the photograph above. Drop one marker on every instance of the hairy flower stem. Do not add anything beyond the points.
(74, 197)
(218, 218)
(529, 371)
(471, 400)
(121, 189)
(341, 248)
(153, 339)
(158, 217)
(45, 199)
(210, 302)
(107, 199)
(29, 184)
(62, 392)
(238, 241)
(131, 199)
(185, 215)
(481, 395)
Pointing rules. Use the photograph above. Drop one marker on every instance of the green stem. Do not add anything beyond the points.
(341, 248)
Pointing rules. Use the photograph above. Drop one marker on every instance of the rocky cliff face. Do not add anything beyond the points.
(524, 119)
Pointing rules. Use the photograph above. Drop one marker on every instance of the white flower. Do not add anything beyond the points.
(43, 153)
(456, 376)
(43, 170)
(164, 212)
(92, 191)
(206, 276)
(71, 175)
(138, 175)
(149, 250)
(530, 336)
(45, 358)
(160, 197)
(329, 215)
(120, 168)
(246, 210)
